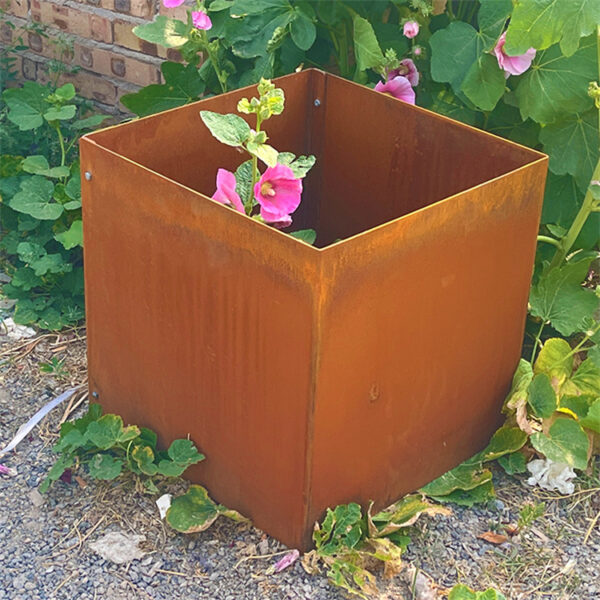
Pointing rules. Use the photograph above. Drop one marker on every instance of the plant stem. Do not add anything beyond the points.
(589, 204)
(548, 240)
(254, 171)
(61, 141)
(566, 243)
(537, 342)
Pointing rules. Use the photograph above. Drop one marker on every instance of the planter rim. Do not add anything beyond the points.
(537, 157)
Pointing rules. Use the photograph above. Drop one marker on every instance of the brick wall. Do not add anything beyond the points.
(94, 37)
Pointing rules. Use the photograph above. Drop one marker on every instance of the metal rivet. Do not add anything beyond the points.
(88, 176)
(95, 394)
(317, 102)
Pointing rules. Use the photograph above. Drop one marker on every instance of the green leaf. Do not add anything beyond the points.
(184, 452)
(541, 23)
(243, 180)
(555, 84)
(62, 113)
(559, 298)
(168, 468)
(166, 32)
(566, 443)
(264, 152)
(58, 468)
(555, 360)
(38, 165)
(506, 440)
(50, 263)
(89, 122)
(303, 30)
(144, 458)
(491, 18)
(572, 144)
(477, 495)
(466, 476)
(192, 512)
(104, 466)
(27, 105)
(35, 199)
(306, 235)
(542, 397)
(484, 83)
(148, 437)
(462, 592)
(366, 47)
(183, 84)
(561, 200)
(105, 432)
(586, 380)
(577, 406)
(72, 237)
(592, 419)
(25, 279)
(453, 51)
(65, 92)
(300, 166)
(513, 463)
(253, 33)
(228, 129)
(520, 386)
(70, 439)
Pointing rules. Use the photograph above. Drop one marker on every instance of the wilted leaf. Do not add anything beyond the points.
(493, 537)
(556, 361)
(192, 512)
(466, 476)
(505, 441)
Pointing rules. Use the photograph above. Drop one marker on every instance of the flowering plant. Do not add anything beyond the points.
(273, 195)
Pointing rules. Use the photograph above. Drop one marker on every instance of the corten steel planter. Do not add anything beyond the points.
(311, 376)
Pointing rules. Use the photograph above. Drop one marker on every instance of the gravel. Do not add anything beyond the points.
(45, 540)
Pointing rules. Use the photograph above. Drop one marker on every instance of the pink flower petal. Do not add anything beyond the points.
(225, 193)
(398, 87)
(172, 3)
(512, 65)
(411, 29)
(289, 559)
(278, 192)
(201, 20)
(406, 69)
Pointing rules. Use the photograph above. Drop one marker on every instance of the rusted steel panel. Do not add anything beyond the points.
(311, 376)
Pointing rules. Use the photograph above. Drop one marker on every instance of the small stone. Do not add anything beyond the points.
(119, 547)
(263, 546)
(36, 498)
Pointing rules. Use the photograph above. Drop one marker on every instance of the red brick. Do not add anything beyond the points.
(18, 8)
(176, 13)
(88, 85)
(76, 21)
(113, 64)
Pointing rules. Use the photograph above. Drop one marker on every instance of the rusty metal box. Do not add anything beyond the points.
(310, 376)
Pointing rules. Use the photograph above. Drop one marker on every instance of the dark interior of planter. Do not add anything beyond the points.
(377, 158)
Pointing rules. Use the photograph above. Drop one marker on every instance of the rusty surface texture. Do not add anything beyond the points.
(310, 377)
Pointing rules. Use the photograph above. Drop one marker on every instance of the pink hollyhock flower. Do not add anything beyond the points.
(398, 87)
(411, 29)
(226, 193)
(201, 20)
(173, 3)
(512, 65)
(407, 69)
(279, 193)
(417, 50)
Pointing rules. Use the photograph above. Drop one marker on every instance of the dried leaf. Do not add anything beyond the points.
(493, 538)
